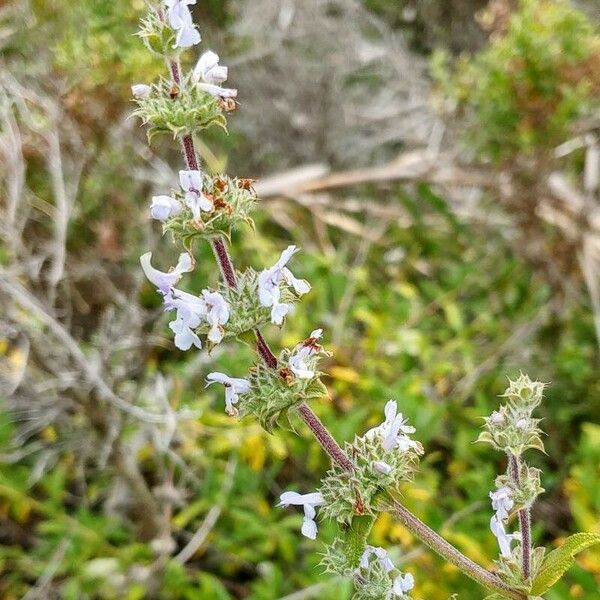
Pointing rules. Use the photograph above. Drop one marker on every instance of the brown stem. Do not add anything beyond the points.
(264, 350)
(324, 438)
(446, 550)
(224, 260)
(524, 521)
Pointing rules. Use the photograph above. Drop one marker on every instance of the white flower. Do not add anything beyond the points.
(191, 309)
(164, 207)
(381, 467)
(403, 584)
(502, 502)
(165, 281)
(309, 501)
(180, 19)
(140, 90)
(208, 69)
(393, 431)
(298, 361)
(233, 388)
(185, 337)
(217, 91)
(191, 184)
(208, 75)
(382, 556)
(504, 540)
(269, 281)
(217, 314)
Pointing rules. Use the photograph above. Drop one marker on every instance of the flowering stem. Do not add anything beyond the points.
(524, 521)
(447, 551)
(308, 416)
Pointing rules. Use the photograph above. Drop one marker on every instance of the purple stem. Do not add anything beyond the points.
(524, 521)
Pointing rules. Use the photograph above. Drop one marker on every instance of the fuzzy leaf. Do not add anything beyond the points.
(561, 560)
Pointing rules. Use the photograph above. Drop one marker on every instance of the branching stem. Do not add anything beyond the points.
(429, 537)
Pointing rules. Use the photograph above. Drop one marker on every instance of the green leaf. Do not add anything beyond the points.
(560, 560)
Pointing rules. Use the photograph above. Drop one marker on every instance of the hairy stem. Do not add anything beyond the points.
(447, 551)
(324, 438)
(524, 521)
(264, 350)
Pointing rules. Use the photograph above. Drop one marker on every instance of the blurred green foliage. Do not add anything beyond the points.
(436, 316)
(526, 91)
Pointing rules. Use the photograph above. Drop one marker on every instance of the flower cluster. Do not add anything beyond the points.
(512, 428)
(209, 207)
(384, 457)
(378, 578)
(177, 109)
(374, 573)
(276, 392)
(210, 307)
(204, 207)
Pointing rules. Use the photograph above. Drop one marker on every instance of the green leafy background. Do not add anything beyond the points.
(436, 316)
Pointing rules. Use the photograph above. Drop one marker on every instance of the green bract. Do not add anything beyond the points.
(233, 201)
(157, 35)
(274, 392)
(529, 488)
(357, 492)
(179, 110)
(523, 392)
(246, 313)
(512, 428)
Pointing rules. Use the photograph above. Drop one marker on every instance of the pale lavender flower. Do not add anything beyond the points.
(381, 467)
(165, 281)
(269, 281)
(180, 19)
(140, 90)
(185, 337)
(208, 75)
(298, 361)
(497, 418)
(308, 501)
(164, 207)
(233, 388)
(394, 431)
(522, 424)
(217, 91)
(191, 309)
(504, 540)
(217, 314)
(191, 184)
(382, 556)
(403, 584)
(208, 69)
(502, 502)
